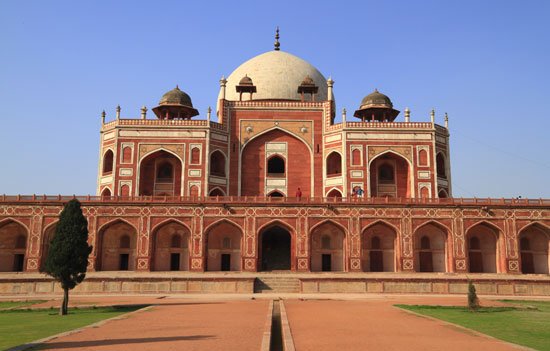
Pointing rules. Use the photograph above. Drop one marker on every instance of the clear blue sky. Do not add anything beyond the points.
(486, 63)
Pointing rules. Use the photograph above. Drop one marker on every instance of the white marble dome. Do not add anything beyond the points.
(276, 75)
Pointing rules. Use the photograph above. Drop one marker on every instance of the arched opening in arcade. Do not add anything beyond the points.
(216, 192)
(275, 244)
(160, 174)
(275, 193)
(171, 247)
(275, 159)
(13, 246)
(389, 176)
(118, 242)
(223, 247)
(334, 164)
(46, 241)
(443, 194)
(106, 192)
(327, 248)
(217, 164)
(334, 193)
(430, 248)
(533, 245)
(108, 162)
(482, 247)
(378, 248)
(441, 165)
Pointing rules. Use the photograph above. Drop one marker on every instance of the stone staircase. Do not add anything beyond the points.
(265, 284)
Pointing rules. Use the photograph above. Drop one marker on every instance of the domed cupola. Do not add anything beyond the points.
(245, 86)
(308, 87)
(376, 107)
(175, 104)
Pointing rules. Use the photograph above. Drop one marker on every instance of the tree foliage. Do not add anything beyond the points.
(67, 259)
(473, 300)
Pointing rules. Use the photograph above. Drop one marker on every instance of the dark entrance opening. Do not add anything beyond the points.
(376, 261)
(527, 263)
(326, 262)
(275, 254)
(175, 262)
(124, 258)
(18, 262)
(226, 262)
(426, 261)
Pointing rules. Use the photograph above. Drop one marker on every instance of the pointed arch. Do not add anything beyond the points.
(276, 193)
(431, 246)
(216, 191)
(534, 246)
(223, 246)
(106, 192)
(334, 192)
(282, 130)
(543, 226)
(380, 221)
(146, 173)
(218, 163)
(378, 248)
(165, 255)
(108, 162)
(47, 236)
(433, 222)
(483, 246)
(333, 164)
(402, 183)
(327, 247)
(487, 223)
(14, 239)
(275, 242)
(111, 256)
(441, 164)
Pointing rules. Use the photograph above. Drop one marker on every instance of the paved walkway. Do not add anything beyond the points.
(235, 322)
(375, 324)
(176, 325)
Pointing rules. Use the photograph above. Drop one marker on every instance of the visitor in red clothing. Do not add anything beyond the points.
(299, 194)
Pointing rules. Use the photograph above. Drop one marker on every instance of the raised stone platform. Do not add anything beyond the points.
(233, 282)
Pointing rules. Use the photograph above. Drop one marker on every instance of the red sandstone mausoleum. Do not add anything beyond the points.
(275, 184)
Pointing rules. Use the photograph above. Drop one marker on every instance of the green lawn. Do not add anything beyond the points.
(16, 304)
(527, 324)
(22, 326)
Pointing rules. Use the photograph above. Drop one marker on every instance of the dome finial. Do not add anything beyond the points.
(277, 44)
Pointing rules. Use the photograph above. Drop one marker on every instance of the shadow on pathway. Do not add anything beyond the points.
(92, 343)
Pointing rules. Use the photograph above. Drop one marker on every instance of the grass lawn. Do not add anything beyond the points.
(16, 304)
(527, 324)
(21, 326)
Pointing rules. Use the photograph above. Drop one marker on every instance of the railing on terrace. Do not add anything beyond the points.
(200, 200)
(380, 125)
(157, 122)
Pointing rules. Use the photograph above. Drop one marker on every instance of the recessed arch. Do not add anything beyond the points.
(390, 175)
(112, 256)
(275, 243)
(482, 243)
(47, 236)
(106, 192)
(147, 173)
(218, 163)
(327, 247)
(333, 164)
(280, 129)
(217, 191)
(223, 246)
(443, 194)
(441, 165)
(276, 193)
(276, 166)
(14, 237)
(334, 192)
(378, 247)
(431, 247)
(534, 245)
(170, 244)
(108, 162)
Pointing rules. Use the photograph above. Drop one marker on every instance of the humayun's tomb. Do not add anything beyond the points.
(274, 194)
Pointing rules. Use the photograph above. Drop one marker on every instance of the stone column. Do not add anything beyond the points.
(354, 245)
(143, 252)
(303, 256)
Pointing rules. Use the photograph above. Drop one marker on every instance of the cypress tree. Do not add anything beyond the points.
(67, 259)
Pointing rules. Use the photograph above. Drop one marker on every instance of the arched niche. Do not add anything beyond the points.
(378, 243)
(534, 246)
(389, 176)
(118, 247)
(160, 174)
(327, 248)
(13, 246)
(171, 242)
(217, 164)
(482, 247)
(430, 248)
(223, 246)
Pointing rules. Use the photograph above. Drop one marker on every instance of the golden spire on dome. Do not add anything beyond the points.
(277, 44)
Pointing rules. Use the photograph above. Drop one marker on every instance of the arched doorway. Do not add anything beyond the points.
(160, 174)
(334, 193)
(430, 242)
(223, 247)
(171, 247)
(118, 247)
(533, 245)
(13, 247)
(389, 176)
(481, 243)
(217, 164)
(378, 248)
(275, 249)
(327, 248)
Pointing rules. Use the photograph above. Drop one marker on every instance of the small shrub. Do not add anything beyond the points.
(473, 300)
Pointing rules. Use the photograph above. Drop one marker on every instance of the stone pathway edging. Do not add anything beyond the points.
(266, 338)
(78, 330)
(288, 341)
(475, 332)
